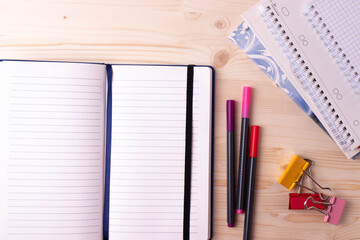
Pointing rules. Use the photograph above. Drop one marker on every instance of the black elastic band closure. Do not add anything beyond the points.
(108, 153)
(188, 148)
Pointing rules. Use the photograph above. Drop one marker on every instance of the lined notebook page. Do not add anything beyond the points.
(147, 158)
(52, 141)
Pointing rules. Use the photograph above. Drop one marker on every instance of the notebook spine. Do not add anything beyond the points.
(334, 48)
(308, 79)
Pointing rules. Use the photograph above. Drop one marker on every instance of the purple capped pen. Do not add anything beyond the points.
(230, 113)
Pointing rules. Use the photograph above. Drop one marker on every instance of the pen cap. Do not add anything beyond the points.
(230, 115)
(254, 140)
(246, 102)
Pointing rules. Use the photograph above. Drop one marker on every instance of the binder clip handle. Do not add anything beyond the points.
(311, 163)
(313, 190)
(315, 208)
(300, 182)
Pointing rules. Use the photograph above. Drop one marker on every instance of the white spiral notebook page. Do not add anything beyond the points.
(328, 84)
(148, 147)
(285, 32)
(51, 150)
(342, 21)
(337, 24)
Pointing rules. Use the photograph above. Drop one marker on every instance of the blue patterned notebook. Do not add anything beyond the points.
(246, 40)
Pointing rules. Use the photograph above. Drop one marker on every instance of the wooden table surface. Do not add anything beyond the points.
(194, 31)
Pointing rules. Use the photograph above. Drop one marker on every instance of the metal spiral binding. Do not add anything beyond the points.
(333, 47)
(308, 79)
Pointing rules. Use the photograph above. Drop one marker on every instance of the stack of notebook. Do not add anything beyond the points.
(309, 48)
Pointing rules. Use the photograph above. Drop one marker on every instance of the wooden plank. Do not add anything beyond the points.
(182, 32)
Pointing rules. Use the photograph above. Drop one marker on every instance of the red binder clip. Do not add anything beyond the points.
(334, 211)
(297, 201)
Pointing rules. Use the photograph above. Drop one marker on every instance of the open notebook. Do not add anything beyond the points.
(297, 48)
(76, 137)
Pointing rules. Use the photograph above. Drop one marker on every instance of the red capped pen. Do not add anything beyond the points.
(254, 140)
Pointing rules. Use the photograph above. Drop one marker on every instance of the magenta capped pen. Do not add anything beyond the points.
(244, 146)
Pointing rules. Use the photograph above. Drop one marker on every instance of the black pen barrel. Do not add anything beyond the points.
(250, 199)
(231, 179)
(243, 159)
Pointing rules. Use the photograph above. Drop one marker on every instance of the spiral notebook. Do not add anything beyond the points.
(246, 40)
(287, 30)
(95, 151)
(338, 26)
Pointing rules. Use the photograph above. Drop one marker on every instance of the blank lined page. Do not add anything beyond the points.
(148, 149)
(52, 141)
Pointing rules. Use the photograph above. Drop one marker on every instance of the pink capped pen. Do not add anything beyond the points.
(244, 146)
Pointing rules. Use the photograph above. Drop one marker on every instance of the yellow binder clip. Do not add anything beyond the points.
(293, 172)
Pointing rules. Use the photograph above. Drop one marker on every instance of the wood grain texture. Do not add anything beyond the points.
(183, 32)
